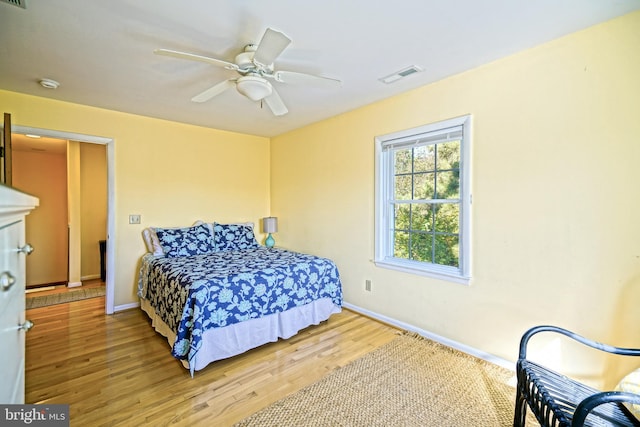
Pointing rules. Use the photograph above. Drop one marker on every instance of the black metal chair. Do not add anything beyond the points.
(559, 401)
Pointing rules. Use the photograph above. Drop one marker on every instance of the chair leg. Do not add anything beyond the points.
(520, 413)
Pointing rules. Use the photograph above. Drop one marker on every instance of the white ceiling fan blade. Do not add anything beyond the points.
(295, 78)
(214, 91)
(271, 46)
(275, 104)
(194, 57)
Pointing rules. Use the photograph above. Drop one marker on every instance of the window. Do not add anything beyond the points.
(423, 200)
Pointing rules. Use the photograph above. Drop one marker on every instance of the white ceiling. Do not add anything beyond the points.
(102, 51)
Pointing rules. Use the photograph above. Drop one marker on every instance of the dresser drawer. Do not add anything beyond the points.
(12, 267)
(12, 306)
(14, 206)
(12, 339)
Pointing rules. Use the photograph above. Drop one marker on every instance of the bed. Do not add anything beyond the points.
(214, 292)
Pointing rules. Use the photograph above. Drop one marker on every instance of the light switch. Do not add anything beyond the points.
(134, 219)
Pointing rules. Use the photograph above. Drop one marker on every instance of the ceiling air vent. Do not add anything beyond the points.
(401, 74)
(19, 3)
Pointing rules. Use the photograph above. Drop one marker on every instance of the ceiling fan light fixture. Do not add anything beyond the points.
(254, 87)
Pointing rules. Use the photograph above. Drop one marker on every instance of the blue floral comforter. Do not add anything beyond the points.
(195, 293)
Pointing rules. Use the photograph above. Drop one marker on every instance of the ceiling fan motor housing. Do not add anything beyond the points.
(244, 60)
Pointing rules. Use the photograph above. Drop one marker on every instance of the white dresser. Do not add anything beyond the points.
(14, 206)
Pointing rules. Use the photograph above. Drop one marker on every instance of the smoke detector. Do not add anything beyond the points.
(49, 84)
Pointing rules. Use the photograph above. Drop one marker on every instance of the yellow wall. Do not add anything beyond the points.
(44, 175)
(556, 229)
(93, 201)
(170, 173)
(74, 211)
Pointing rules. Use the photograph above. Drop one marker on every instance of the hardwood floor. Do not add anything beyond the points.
(116, 370)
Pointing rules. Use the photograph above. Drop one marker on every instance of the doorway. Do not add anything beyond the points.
(110, 217)
(70, 179)
(40, 169)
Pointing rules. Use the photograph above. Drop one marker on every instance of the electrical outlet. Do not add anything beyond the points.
(134, 219)
(367, 285)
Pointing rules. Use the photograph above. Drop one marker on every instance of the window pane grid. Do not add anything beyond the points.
(427, 172)
(425, 206)
(418, 235)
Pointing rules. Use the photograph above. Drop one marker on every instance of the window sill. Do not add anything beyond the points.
(438, 272)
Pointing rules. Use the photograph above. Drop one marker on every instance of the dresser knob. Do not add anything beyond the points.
(28, 324)
(26, 249)
(7, 280)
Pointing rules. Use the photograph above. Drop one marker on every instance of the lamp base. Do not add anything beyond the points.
(270, 241)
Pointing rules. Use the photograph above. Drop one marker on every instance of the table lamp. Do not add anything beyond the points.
(270, 225)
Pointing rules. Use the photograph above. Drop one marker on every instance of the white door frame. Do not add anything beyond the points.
(109, 142)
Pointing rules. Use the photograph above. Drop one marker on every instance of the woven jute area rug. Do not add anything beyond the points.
(62, 297)
(411, 381)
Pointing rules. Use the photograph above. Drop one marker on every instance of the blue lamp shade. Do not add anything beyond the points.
(270, 225)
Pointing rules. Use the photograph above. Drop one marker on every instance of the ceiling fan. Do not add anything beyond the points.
(255, 67)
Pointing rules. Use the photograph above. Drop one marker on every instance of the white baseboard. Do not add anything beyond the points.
(74, 284)
(435, 337)
(126, 306)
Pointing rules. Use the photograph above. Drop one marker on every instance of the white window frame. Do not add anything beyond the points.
(384, 170)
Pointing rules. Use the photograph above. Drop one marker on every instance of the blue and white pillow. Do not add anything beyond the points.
(179, 242)
(234, 237)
